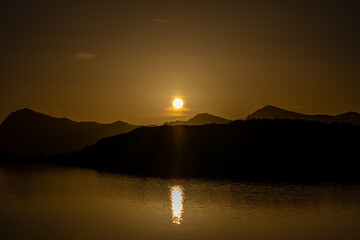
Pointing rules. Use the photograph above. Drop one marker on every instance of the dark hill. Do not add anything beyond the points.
(29, 133)
(200, 119)
(271, 112)
(246, 150)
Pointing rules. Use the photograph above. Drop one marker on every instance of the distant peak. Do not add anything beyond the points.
(23, 114)
(200, 119)
(118, 122)
(121, 123)
(208, 118)
(25, 110)
(349, 114)
(203, 115)
(272, 112)
(270, 107)
(352, 113)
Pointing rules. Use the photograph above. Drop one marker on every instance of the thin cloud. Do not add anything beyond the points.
(162, 20)
(84, 56)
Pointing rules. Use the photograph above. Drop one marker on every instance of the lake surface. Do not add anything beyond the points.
(50, 202)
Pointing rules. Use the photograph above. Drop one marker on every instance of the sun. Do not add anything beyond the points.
(178, 103)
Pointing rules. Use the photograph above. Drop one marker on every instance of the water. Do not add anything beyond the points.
(49, 202)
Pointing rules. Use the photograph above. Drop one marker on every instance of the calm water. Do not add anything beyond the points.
(48, 202)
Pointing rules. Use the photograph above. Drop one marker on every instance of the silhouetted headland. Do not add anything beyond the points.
(289, 150)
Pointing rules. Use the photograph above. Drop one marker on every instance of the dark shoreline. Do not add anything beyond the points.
(254, 150)
(306, 182)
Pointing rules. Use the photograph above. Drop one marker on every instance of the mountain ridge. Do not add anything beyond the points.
(29, 133)
(200, 119)
(272, 112)
(26, 132)
(29, 112)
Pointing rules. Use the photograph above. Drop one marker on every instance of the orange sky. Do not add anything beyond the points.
(127, 60)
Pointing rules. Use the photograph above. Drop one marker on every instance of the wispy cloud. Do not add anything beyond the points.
(84, 56)
(162, 20)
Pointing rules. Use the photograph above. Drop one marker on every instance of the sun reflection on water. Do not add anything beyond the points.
(177, 203)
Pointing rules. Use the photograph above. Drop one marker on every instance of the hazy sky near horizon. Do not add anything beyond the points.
(127, 60)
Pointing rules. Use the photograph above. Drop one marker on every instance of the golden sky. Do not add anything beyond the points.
(127, 60)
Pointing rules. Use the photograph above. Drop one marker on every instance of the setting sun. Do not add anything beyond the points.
(178, 103)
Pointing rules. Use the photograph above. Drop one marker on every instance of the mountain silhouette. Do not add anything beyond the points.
(200, 119)
(271, 112)
(248, 150)
(29, 133)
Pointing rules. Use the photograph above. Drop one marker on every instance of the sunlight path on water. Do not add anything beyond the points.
(177, 203)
